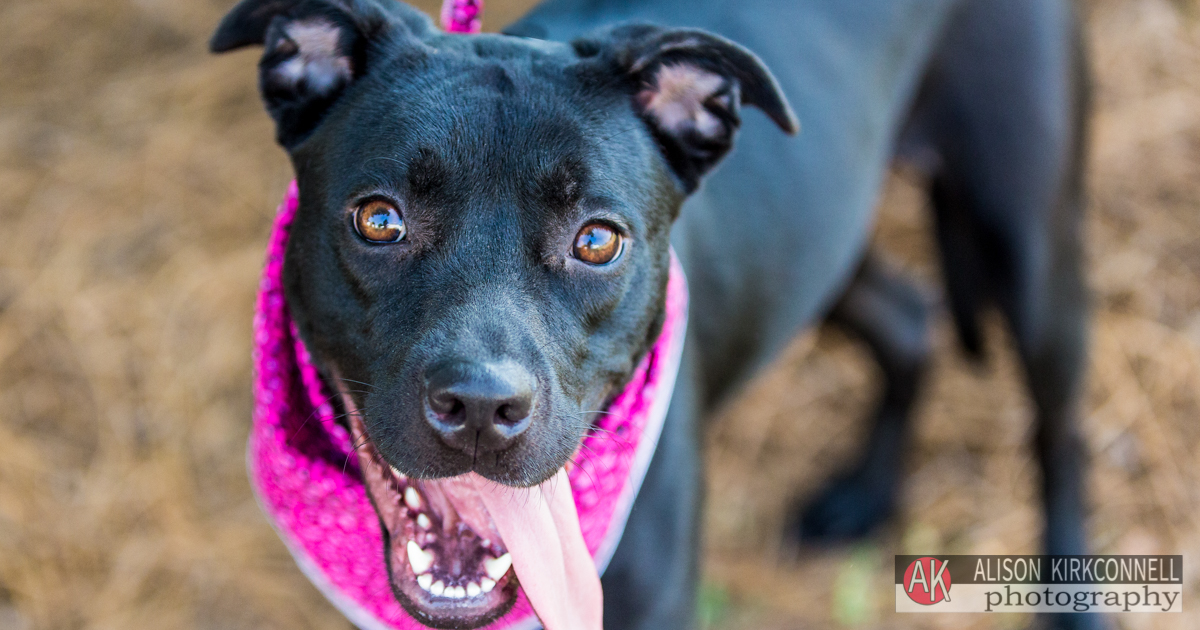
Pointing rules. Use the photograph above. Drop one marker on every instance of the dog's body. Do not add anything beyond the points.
(986, 98)
(989, 99)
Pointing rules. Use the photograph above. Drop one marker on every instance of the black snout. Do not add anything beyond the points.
(479, 407)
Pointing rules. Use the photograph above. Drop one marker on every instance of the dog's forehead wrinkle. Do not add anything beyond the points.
(496, 76)
(505, 137)
(560, 184)
(517, 50)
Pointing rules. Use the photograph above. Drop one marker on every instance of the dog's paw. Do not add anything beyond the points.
(847, 508)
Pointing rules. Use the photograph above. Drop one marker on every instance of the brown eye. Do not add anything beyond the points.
(597, 244)
(379, 222)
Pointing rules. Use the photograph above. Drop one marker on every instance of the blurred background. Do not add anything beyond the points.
(138, 178)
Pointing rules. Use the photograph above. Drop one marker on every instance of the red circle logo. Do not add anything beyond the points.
(927, 581)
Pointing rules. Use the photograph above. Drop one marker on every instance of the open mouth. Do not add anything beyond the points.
(446, 561)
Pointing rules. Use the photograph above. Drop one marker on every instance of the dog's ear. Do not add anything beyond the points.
(688, 86)
(312, 50)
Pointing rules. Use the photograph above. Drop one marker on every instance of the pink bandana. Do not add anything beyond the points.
(309, 484)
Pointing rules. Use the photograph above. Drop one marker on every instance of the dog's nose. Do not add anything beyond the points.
(479, 407)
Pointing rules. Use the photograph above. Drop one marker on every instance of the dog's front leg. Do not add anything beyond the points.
(651, 582)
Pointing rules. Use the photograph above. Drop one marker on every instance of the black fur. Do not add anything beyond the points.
(497, 149)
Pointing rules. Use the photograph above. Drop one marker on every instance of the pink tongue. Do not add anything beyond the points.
(540, 528)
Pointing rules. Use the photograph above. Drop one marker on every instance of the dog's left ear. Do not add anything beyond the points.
(688, 86)
(313, 50)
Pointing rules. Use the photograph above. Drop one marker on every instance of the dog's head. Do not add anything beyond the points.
(480, 255)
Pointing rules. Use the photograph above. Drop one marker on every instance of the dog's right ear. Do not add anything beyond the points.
(687, 85)
(312, 50)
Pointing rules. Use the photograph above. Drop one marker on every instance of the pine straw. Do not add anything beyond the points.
(137, 182)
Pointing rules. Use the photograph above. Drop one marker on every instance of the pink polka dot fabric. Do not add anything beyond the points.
(310, 487)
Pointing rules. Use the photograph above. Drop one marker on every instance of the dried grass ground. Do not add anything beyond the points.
(137, 181)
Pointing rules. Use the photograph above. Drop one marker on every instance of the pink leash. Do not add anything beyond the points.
(462, 16)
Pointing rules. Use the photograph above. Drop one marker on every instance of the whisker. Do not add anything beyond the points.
(302, 425)
(353, 451)
(350, 380)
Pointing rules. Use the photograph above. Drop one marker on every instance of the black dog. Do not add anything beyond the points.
(484, 226)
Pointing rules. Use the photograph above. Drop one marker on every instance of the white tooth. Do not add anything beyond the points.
(487, 584)
(423, 521)
(420, 559)
(459, 592)
(438, 588)
(412, 498)
(472, 589)
(425, 581)
(399, 475)
(497, 567)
